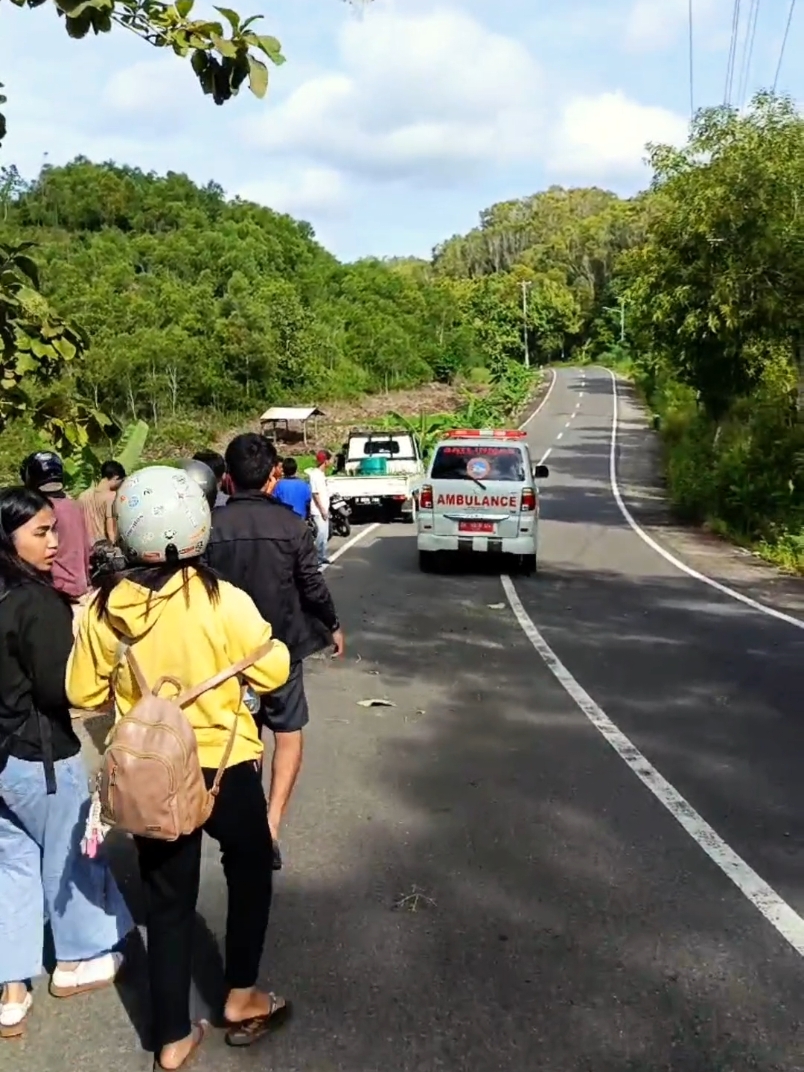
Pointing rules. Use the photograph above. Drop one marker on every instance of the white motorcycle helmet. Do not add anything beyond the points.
(162, 516)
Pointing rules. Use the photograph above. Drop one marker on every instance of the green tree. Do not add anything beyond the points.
(715, 290)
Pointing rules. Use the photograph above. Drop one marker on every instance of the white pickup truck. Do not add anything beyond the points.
(381, 469)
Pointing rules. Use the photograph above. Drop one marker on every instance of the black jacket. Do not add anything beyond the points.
(260, 545)
(36, 636)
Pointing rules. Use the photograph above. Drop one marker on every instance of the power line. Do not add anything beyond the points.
(748, 52)
(784, 44)
(692, 64)
(735, 34)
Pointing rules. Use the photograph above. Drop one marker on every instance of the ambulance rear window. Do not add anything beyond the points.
(475, 462)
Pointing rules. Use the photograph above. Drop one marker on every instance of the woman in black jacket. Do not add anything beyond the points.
(44, 799)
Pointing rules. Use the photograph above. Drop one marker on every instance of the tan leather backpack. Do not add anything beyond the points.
(151, 783)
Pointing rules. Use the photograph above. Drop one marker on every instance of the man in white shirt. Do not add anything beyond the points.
(319, 507)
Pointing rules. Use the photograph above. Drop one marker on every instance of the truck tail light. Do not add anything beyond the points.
(528, 504)
(426, 498)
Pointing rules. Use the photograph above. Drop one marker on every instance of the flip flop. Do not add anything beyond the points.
(20, 1010)
(247, 1032)
(200, 1030)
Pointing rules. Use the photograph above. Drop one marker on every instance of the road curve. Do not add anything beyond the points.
(474, 878)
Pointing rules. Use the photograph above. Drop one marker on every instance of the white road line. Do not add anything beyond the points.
(559, 436)
(581, 395)
(351, 543)
(543, 402)
(657, 547)
(545, 456)
(773, 907)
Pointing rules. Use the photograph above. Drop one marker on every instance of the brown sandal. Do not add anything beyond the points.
(247, 1032)
(200, 1030)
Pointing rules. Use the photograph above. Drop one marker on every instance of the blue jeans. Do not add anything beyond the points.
(321, 538)
(45, 876)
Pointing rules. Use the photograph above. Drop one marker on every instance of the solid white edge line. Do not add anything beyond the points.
(787, 922)
(543, 402)
(350, 543)
(657, 547)
(774, 908)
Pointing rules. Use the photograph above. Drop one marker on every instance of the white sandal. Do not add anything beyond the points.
(14, 1016)
(89, 975)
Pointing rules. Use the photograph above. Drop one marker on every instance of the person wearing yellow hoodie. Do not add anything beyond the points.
(180, 620)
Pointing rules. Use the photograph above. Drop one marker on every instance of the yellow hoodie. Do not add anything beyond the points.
(178, 631)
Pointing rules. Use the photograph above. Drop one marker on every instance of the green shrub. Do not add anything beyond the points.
(744, 476)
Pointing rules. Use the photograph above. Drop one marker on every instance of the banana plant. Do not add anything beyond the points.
(426, 429)
(131, 445)
(83, 466)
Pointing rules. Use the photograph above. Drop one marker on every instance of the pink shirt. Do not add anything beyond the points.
(71, 566)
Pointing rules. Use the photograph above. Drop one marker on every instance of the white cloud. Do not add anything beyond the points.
(147, 86)
(313, 191)
(654, 25)
(605, 136)
(425, 96)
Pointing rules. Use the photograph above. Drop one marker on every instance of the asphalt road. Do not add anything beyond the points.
(474, 878)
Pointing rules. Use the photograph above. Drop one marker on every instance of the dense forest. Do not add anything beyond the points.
(193, 300)
(178, 301)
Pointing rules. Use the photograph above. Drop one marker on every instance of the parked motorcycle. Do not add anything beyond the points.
(339, 513)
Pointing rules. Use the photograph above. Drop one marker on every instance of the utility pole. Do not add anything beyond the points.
(613, 309)
(526, 285)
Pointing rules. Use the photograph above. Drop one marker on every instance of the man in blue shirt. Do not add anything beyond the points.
(292, 490)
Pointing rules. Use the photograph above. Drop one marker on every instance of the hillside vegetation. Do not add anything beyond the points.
(199, 311)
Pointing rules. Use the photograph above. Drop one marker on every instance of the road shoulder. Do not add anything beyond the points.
(643, 488)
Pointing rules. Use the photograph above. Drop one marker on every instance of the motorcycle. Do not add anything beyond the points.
(339, 513)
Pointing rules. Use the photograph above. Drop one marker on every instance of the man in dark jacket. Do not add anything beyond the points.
(260, 545)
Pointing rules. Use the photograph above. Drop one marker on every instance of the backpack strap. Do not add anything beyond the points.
(128, 656)
(191, 695)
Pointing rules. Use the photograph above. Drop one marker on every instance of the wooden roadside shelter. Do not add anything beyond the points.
(277, 416)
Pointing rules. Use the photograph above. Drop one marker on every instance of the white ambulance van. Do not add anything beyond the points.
(480, 495)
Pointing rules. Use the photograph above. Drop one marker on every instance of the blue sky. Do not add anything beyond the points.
(390, 128)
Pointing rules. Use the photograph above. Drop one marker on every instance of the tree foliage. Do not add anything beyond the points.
(715, 300)
(716, 288)
(193, 301)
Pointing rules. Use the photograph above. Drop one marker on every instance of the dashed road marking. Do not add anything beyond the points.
(787, 922)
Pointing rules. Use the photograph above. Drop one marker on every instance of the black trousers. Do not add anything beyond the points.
(171, 877)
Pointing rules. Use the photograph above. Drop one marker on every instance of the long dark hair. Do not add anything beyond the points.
(17, 506)
(156, 577)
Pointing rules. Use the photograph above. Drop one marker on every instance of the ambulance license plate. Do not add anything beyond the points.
(476, 526)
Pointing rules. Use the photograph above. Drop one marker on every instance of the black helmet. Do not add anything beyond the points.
(43, 470)
(201, 473)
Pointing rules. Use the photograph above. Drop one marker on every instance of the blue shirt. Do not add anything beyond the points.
(294, 493)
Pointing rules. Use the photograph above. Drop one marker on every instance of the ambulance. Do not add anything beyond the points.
(480, 495)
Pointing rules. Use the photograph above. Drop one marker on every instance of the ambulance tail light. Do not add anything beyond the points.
(528, 504)
(485, 433)
(426, 497)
